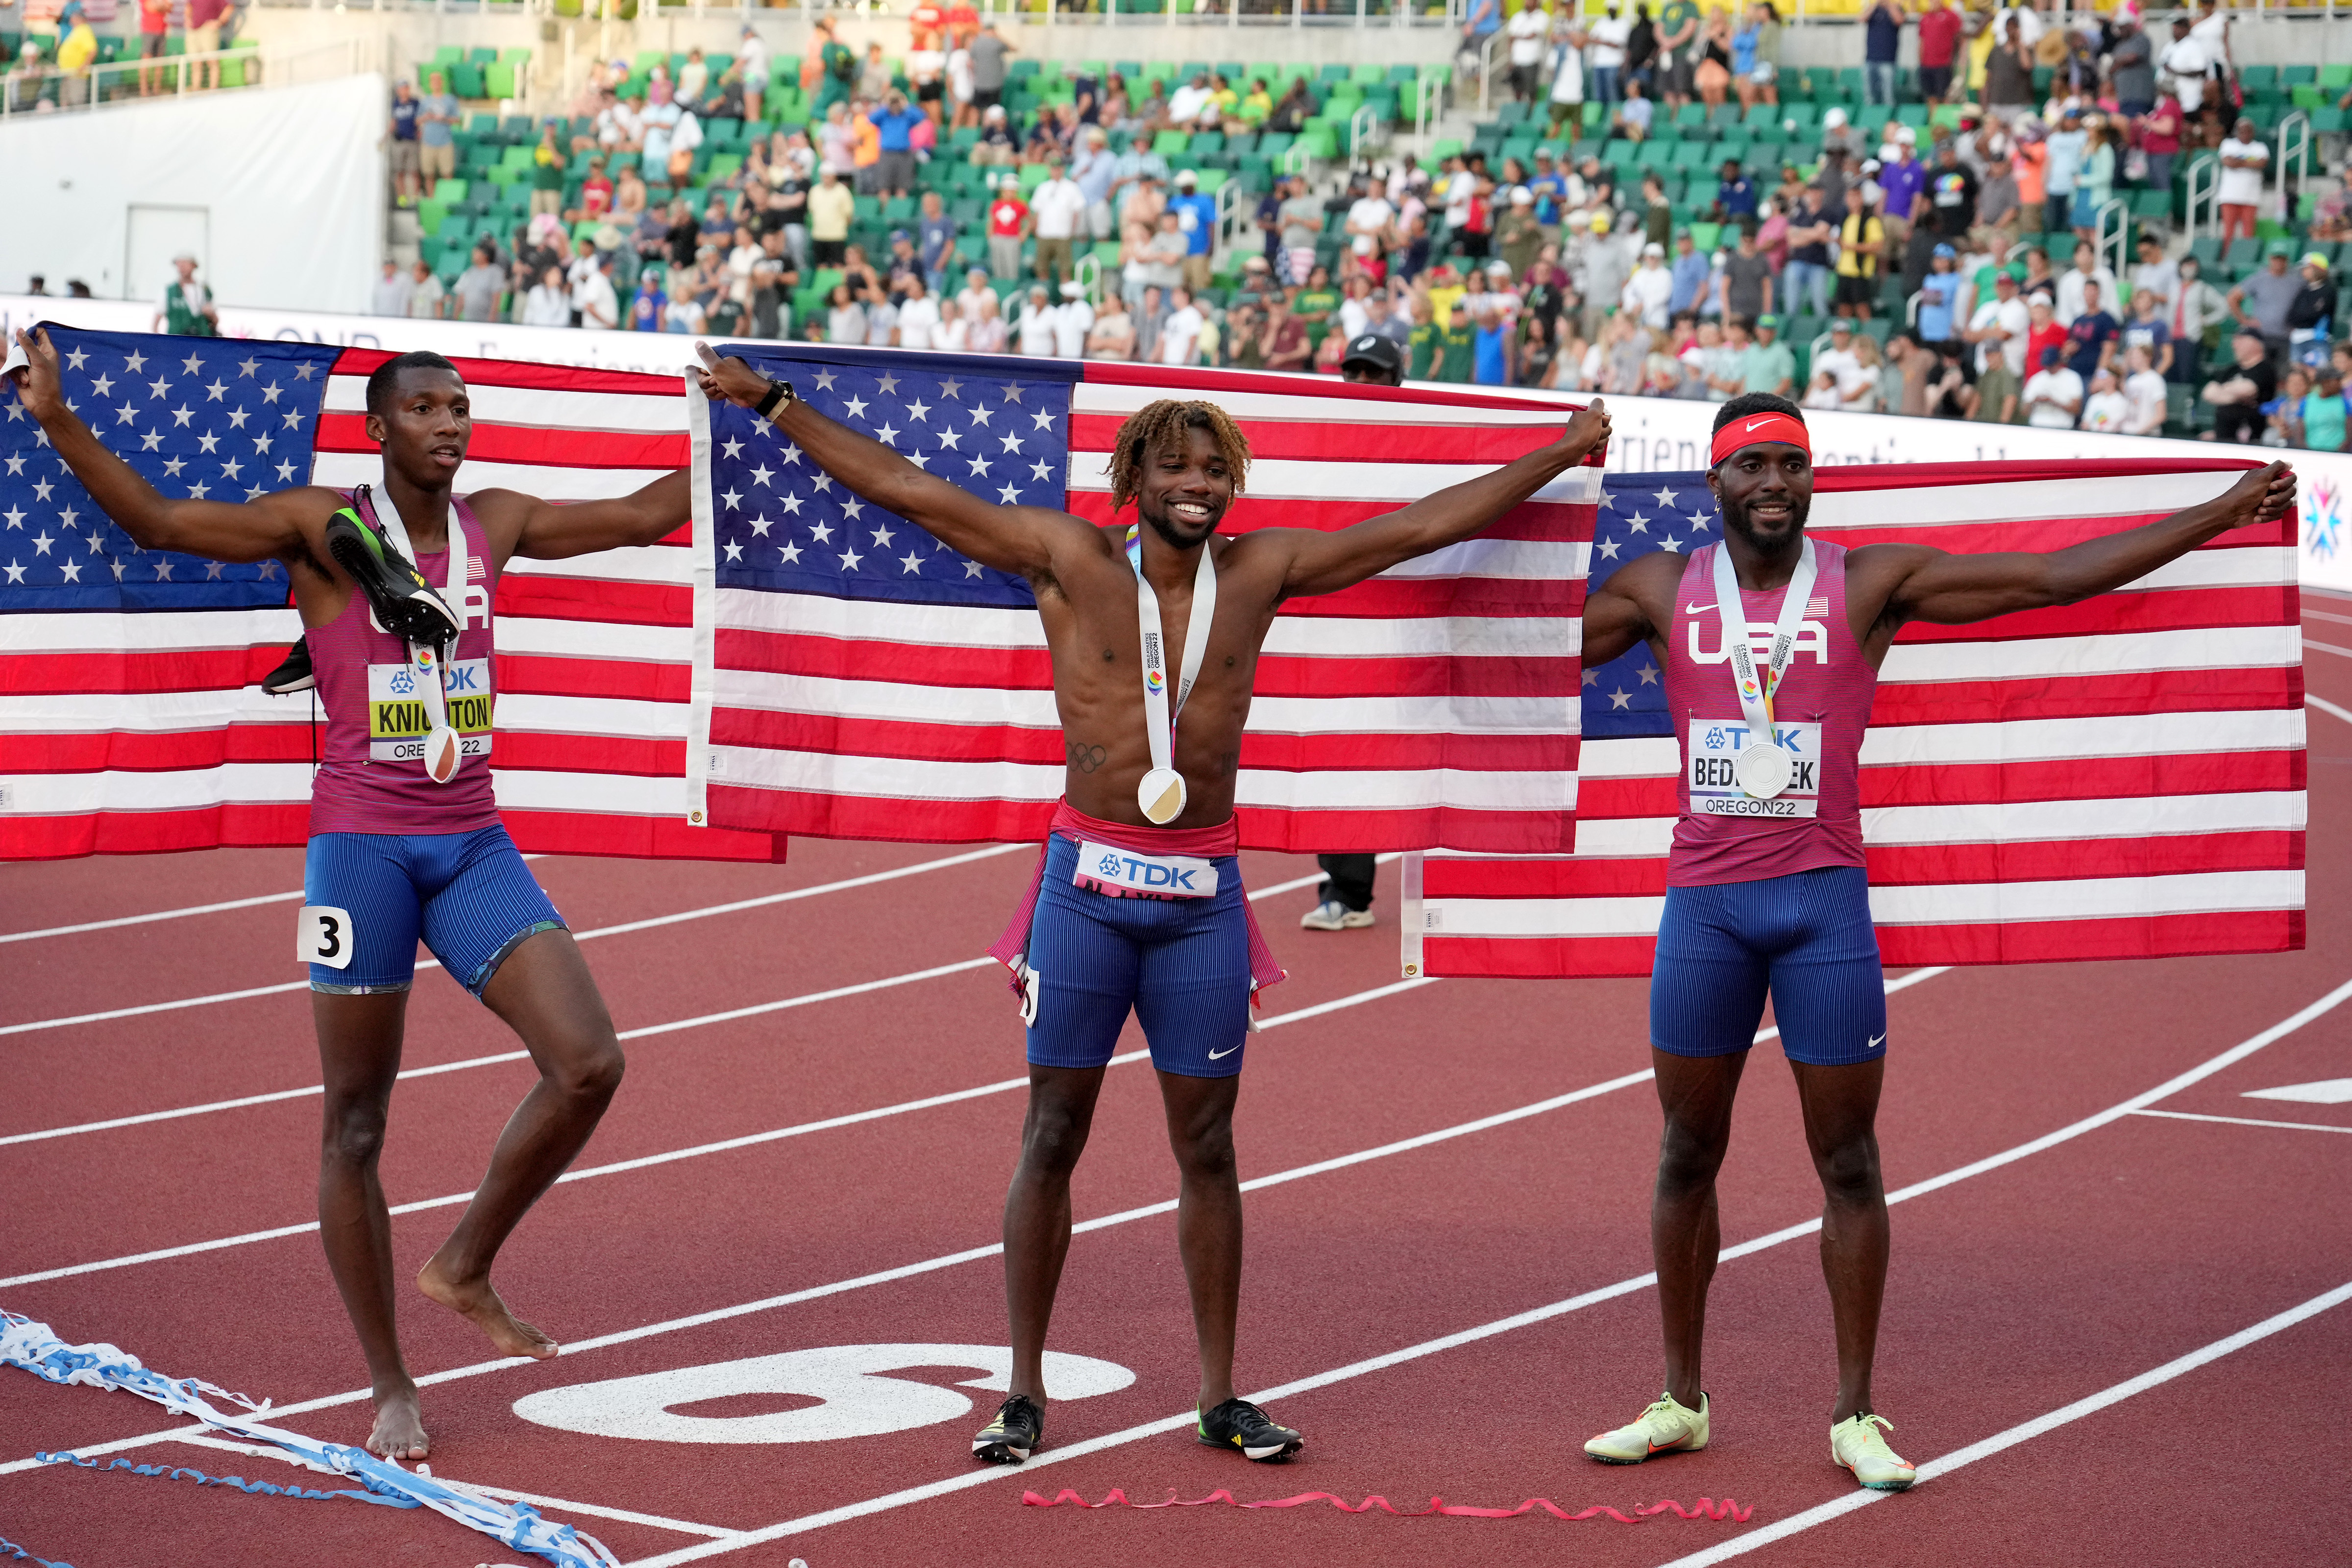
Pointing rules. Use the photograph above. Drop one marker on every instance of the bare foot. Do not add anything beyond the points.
(478, 1302)
(399, 1426)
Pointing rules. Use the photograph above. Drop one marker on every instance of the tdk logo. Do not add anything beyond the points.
(1151, 874)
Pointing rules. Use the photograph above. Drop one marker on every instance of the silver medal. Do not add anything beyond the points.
(1763, 770)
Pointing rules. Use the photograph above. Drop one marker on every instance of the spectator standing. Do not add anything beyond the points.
(1691, 273)
(1939, 297)
(1940, 27)
(187, 310)
(2131, 63)
(1677, 50)
(1806, 277)
(2243, 158)
(894, 122)
(2196, 306)
(2064, 149)
(594, 296)
(424, 293)
(1567, 92)
(549, 303)
(389, 296)
(2159, 140)
(2106, 410)
(1610, 35)
(2323, 412)
(1882, 27)
(1008, 225)
(1650, 290)
(1766, 364)
(2145, 328)
(400, 137)
(436, 122)
(2001, 328)
(1093, 168)
(919, 316)
(1057, 206)
(1112, 337)
(831, 207)
(1196, 219)
(1747, 279)
(154, 76)
(1861, 250)
(205, 40)
(2072, 287)
(1073, 320)
(1530, 33)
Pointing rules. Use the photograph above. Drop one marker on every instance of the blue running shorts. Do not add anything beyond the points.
(1180, 965)
(468, 895)
(1807, 938)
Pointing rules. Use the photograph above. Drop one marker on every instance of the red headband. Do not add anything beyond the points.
(1760, 428)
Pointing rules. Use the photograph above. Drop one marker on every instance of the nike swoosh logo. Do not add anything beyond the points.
(1659, 1448)
(1696, 609)
(1874, 1042)
(1220, 1056)
(1753, 423)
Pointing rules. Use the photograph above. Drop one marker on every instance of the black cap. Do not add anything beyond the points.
(1373, 349)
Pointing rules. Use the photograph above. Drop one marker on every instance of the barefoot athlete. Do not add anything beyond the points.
(404, 834)
(1765, 883)
(1137, 904)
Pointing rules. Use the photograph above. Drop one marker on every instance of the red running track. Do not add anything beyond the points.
(2067, 1244)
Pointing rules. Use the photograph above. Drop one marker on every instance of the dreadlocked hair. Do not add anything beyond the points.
(1168, 420)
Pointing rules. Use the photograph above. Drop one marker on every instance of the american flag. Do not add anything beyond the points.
(2120, 778)
(129, 717)
(864, 680)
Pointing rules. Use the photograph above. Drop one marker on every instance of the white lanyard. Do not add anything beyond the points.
(442, 754)
(1162, 792)
(1763, 769)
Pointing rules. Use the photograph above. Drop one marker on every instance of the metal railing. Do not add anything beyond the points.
(2111, 240)
(1494, 40)
(2296, 154)
(2204, 197)
(119, 84)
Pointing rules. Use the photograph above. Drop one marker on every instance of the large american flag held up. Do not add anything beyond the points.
(129, 717)
(2121, 778)
(861, 680)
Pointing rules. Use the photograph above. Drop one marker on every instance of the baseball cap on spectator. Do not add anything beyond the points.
(1374, 349)
(2049, 357)
(1906, 136)
(1186, 177)
(1601, 220)
(2313, 259)
(1074, 291)
(1522, 197)
(1946, 251)
(1653, 248)
(1254, 264)
(898, 233)
(1762, 321)
(1840, 325)
(1834, 118)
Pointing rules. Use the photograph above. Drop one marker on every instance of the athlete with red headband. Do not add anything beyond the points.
(1771, 643)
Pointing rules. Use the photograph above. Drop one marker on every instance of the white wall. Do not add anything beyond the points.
(289, 179)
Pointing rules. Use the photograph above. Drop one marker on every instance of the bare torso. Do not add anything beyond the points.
(1089, 608)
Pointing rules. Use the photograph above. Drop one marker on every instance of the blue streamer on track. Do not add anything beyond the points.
(18, 1554)
(34, 1347)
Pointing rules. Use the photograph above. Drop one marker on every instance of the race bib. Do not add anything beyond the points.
(398, 719)
(1713, 759)
(1124, 874)
(322, 935)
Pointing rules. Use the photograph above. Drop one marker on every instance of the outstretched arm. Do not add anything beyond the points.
(1326, 562)
(273, 527)
(1951, 590)
(547, 532)
(1020, 539)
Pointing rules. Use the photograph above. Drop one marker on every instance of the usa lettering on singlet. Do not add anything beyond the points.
(1819, 711)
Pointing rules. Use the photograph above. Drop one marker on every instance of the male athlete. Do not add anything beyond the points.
(1138, 905)
(404, 834)
(1765, 883)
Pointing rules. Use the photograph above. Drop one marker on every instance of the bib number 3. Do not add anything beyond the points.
(322, 935)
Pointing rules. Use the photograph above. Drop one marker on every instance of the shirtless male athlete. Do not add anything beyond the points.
(393, 854)
(1765, 884)
(1139, 905)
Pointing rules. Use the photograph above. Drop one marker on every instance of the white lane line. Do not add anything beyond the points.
(2324, 615)
(2327, 707)
(838, 992)
(869, 879)
(2245, 1121)
(1503, 1325)
(158, 915)
(695, 1152)
(682, 1527)
(2328, 648)
(971, 1255)
(2025, 1431)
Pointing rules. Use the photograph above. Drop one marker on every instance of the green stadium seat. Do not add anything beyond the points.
(447, 55)
(465, 80)
(1167, 143)
(498, 80)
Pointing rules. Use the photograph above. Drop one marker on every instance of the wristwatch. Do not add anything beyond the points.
(780, 393)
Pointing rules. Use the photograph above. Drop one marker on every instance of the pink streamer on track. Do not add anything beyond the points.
(1706, 1507)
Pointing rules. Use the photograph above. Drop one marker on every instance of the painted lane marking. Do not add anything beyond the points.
(2245, 1121)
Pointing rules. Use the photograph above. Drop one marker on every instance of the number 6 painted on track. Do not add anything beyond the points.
(322, 935)
(859, 1400)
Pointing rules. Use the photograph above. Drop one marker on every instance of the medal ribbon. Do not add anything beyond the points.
(1159, 719)
(1755, 690)
(431, 664)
